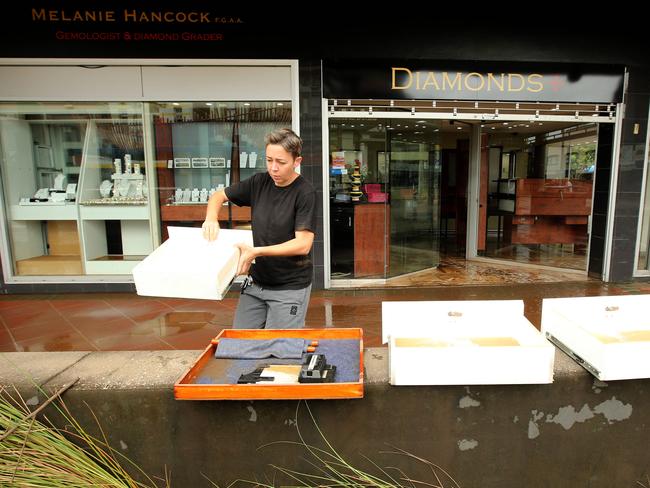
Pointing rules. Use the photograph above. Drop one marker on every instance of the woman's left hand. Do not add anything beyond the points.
(247, 255)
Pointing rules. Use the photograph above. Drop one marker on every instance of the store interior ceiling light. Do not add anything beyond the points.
(478, 110)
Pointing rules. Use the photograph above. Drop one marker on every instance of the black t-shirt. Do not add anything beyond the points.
(277, 213)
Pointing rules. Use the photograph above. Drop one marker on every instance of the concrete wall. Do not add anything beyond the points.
(577, 432)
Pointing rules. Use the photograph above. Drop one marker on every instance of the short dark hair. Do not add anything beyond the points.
(288, 139)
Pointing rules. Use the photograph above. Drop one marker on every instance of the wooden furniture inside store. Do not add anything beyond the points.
(551, 211)
(371, 239)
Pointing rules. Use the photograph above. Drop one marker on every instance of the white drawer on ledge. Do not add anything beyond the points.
(465, 343)
(417, 316)
(609, 336)
(114, 212)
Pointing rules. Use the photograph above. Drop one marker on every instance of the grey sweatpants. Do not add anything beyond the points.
(260, 308)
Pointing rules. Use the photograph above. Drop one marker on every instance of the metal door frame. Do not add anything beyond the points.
(471, 253)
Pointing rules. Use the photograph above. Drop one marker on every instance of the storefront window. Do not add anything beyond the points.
(76, 186)
(539, 189)
(200, 148)
(69, 210)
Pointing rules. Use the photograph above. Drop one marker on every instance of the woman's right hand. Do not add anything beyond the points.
(210, 229)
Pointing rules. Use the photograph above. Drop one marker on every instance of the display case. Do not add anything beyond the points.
(71, 210)
(114, 199)
(96, 160)
(201, 148)
(42, 162)
(77, 179)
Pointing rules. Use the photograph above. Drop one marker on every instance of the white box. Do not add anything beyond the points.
(464, 343)
(182, 163)
(199, 162)
(188, 266)
(217, 162)
(609, 336)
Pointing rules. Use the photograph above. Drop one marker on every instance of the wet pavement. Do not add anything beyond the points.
(123, 322)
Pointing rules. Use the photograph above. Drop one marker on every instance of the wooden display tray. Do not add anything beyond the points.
(184, 389)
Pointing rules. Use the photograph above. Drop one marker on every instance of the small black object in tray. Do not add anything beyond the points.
(316, 370)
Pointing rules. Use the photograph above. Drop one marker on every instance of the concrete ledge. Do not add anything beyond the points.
(575, 432)
(158, 369)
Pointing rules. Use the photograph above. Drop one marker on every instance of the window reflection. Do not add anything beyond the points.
(539, 192)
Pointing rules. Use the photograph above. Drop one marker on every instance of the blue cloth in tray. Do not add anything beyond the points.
(281, 348)
(342, 353)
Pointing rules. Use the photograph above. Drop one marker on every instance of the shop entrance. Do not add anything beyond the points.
(398, 195)
(432, 197)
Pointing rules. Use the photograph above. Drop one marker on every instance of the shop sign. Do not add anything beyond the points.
(119, 28)
(413, 81)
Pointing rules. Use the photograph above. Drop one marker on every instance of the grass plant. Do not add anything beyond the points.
(35, 453)
(331, 470)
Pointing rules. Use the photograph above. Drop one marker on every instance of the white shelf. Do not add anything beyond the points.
(114, 212)
(44, 212)
(127, 176)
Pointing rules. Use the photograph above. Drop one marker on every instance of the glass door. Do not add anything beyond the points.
(414, 182)
(358, 183)
(537, 187)
(384, 182)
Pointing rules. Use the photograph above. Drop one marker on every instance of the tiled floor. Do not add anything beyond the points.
(111, 322)
(459, 271)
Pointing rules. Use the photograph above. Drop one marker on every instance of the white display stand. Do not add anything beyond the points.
(464, 343)
(188, 266)
(609, 336)
(45, 211)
